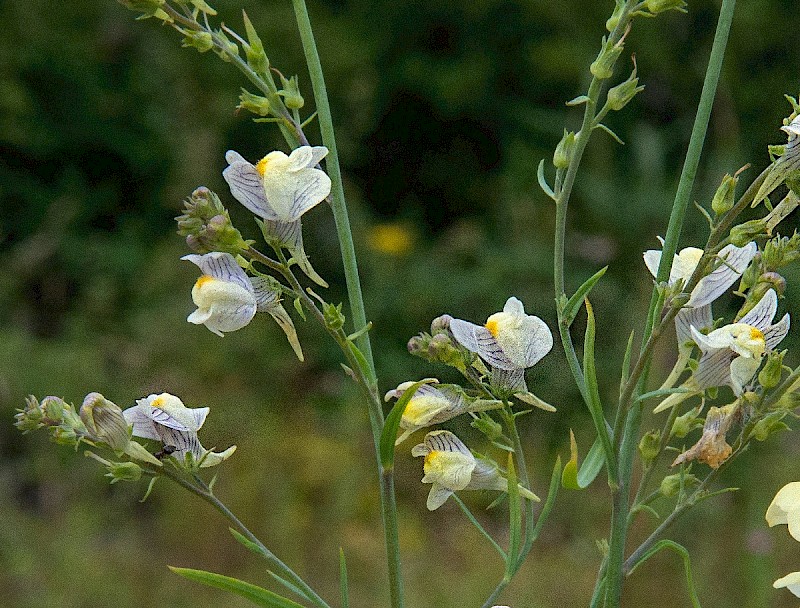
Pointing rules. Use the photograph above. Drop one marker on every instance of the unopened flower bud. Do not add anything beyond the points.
(291, 93)
(770, 375)
(124, 471)
(613, 20)
(418, 345)
(563, 152)
(334, 318)
(442, 349)
(202, 41)
(148, 8)
(769, 424)
(619, 96)
(489, 427)
(744, 233)
(254, 103)
(659, 6)
(441, 325)
(207, 226)
(724, 196)
(254, 50)
(649, 446)
(671, 484)
(104, 421)
(603, 66)
(686, 423)
(228, 46)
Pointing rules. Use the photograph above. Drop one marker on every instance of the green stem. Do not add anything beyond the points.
(619, 521)
(479, 527)
(280, 566)
(338, 204)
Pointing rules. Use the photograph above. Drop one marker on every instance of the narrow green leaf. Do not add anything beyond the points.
(569, 477)
(580, 99)
(549, 501)
(392, 424)
(687, 565)
(626, 364)
(614, 136)
(514, 517)
(298, 306)
(291, 586)
(149, 489)
(249, 544)
(543, 181)
(258, 595)
(660, 393)
(592, 464)
(593, 392)
(343, 580)
(474, 521)
(573, 305)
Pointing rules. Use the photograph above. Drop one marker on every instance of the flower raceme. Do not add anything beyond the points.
(451, 467)
(733, 261)
(227, 299)
(510, 342)
(433, 405)
(166, 419)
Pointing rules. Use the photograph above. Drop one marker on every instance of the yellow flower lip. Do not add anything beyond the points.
(430, 457)
(261, 166)
(757, 334)
(492, 326)
(203, 280)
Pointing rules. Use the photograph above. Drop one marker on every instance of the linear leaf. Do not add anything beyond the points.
(392, 424)
(573, 305)
(687, 565)
(514, 517)
(543, 181)
(258, 595)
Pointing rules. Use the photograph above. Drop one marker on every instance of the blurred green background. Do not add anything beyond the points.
(443, 110)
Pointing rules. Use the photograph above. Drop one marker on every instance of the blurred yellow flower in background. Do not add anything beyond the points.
(391, 238)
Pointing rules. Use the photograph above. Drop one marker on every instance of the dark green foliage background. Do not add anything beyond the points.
(443, 110)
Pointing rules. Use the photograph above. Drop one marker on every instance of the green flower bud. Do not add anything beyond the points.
(603, 66)
(742, 234)
(489, 427)
(442, 349)
(766, 282)
(649, 446)
(563, 152)
(202, 6)
(659, 6)
(124, 471)
(32, 416)
(724, 196)
(202, 41)
(769, 424)
(671, 484)
(207, 226)
(228, 47)
(254, 103)
(686, 423)
(619, 96)
(418, 345)
(334, 318)
(291, 93)
(256, 57)
(104, 421)
(613, 20)
(148, 8)
(770, 375)
(781, 251)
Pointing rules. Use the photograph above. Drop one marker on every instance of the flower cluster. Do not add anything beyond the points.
(493, 357)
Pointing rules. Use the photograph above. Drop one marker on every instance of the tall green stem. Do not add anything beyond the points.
(619, 519)
(338, 204)
(387, 494)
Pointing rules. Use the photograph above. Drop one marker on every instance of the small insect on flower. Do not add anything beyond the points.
(166, 419)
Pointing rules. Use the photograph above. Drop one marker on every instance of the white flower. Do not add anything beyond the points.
(166, 419)
(451, 467)
(509, 342)
(433, 405)
(279, 188)
(785, 509)
(790, 581)
(227, 299)
(732, 354)
(733, 261)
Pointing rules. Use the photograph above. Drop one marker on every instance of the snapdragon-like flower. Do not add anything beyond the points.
(227, 299)
(733, 261)
(785, 509)
(732, 354)
(712, 448)
(166, 419)
(278, 187)
(451, 467)
(509, 342)
(433, 405)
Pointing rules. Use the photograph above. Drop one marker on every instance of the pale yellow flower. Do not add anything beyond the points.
(785, 509)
